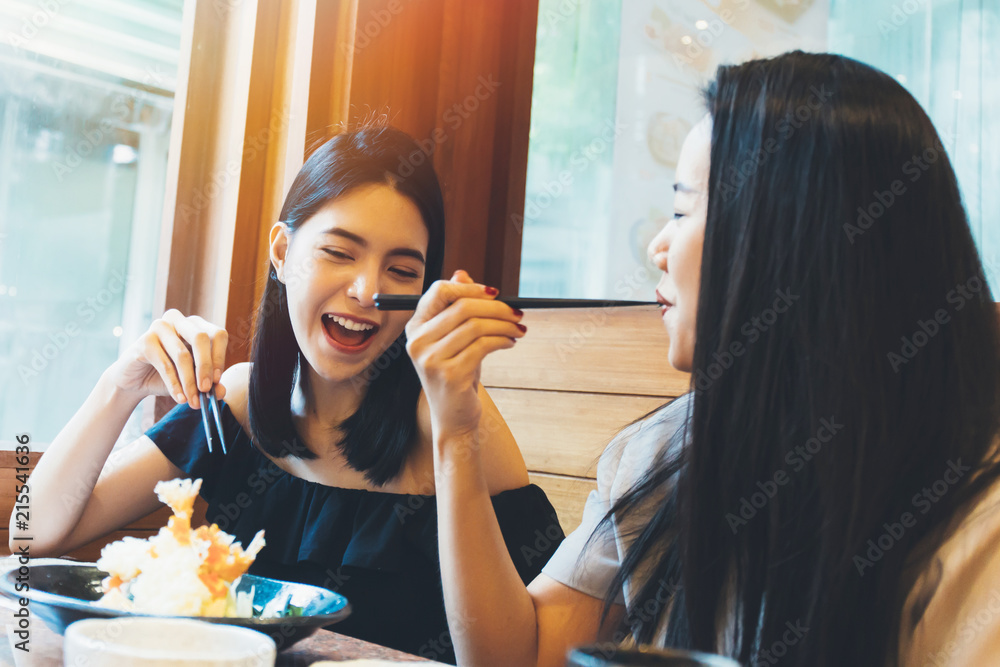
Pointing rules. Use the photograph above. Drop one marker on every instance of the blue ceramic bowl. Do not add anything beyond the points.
(63, 593)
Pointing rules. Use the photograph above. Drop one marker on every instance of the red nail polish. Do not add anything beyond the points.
(492, 291)
(518, 312)
(522, 327)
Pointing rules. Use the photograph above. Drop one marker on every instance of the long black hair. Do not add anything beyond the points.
(378, 437)
(816, 472)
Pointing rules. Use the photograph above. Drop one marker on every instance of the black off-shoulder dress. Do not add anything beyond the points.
(379, 550)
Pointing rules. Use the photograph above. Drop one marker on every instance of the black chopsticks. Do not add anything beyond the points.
(206, 399)
(409, 302)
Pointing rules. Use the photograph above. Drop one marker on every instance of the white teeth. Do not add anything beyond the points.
(351, 324)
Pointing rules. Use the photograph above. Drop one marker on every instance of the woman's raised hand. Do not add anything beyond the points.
(456, 324)
(178, 356)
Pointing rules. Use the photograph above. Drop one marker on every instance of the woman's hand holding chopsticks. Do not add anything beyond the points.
(455, 326)
(178, 356)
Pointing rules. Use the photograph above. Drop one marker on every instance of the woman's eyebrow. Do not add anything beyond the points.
(336, 231)
(350, 236)
(408, 252)
(682, 187)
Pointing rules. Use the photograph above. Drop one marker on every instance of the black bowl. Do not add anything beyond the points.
(63, 593)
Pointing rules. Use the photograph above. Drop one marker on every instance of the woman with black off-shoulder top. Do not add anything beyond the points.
(327, 429)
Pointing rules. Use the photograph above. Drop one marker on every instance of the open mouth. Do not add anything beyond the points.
(348, 333)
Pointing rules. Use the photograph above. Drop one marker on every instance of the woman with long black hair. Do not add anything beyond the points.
(827, 493)
(327, 430)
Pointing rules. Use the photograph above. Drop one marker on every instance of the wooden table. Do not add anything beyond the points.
(46, 648)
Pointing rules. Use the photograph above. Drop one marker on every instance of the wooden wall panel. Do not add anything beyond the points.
(617, 351)
(396, 59)
(576, 379)
(468, 99)
(330, 72)
(565, 432)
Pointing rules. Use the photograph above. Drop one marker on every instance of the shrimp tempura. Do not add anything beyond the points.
(178, 571)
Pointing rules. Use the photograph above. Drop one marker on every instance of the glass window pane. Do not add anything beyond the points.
(635, 69)
(567, 211)
(945, 53)
(86, 97)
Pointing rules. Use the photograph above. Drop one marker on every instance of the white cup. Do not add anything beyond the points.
(144, 641)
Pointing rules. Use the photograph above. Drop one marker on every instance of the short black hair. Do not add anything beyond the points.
(378, 437)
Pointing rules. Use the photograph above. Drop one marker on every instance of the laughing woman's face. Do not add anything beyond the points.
(371, 240)
(676, 250)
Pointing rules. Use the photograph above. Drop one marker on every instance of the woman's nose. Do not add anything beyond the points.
(364, 287)
(657, 249)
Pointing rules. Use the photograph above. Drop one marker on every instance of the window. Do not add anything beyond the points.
(617, 87)
(945, 52)
(86, 99)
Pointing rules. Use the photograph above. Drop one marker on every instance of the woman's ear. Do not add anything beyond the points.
(278, 242)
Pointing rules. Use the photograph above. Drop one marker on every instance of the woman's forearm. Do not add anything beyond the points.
(490, 613)
(64, 479)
